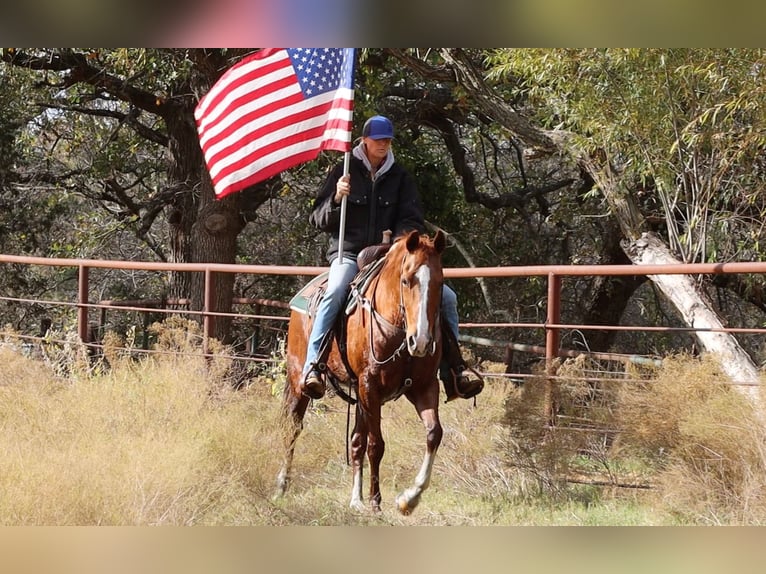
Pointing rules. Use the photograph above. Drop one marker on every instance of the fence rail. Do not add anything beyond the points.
(552, 326)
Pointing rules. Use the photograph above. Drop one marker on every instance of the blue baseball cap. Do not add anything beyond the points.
(378, 128)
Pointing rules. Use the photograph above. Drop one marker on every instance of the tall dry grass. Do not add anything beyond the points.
(167, 440)
(147, 443)
(681, 430)
(704, 439)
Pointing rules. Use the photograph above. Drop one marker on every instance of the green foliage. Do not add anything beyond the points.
(671, 120)
(684, 124)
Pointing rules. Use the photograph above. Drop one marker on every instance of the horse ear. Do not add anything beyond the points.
(413, 240)
(440, 241)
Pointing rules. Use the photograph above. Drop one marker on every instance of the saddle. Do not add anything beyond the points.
(369, 261)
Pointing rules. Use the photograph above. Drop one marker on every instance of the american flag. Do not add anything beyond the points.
(274, 110)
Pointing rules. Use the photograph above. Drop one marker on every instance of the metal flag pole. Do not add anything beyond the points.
(346, 165)
(342, 230)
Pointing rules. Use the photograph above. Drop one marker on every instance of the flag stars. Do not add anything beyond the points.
(320, 70)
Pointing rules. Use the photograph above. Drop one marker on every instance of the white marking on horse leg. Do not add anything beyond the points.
(294, 425)
(285, 472)
(283, 479)
(356, 490)
(408, 499)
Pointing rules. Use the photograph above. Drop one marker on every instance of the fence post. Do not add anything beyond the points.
(552, 339)
(208, 321)
(82, 307)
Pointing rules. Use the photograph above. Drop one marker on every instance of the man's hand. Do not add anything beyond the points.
(342, 188)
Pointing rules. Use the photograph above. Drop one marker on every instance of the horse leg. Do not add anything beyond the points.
(428, 410)
(293, 410)
(376, 446)
(358, 448)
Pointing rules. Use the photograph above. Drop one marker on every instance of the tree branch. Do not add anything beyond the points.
(492, 105)
(78, 69)
(128, 119)
(491, 307)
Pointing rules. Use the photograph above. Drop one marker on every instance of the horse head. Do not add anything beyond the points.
(420, 287)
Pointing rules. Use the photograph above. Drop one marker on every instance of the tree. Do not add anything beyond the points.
(539, 196)
(110, 101)
(674, 131)
(519, 155)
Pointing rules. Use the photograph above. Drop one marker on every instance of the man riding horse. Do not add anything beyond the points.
(381, 195)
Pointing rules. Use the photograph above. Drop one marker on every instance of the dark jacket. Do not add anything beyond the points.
(391, 202)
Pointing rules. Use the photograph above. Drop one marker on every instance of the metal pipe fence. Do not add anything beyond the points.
(552, 327)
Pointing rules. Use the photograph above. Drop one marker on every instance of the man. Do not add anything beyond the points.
(380, 196)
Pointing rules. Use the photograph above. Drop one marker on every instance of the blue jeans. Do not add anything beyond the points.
(334, 299)
(341, 275)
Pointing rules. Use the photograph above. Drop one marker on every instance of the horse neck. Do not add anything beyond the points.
(387, 288)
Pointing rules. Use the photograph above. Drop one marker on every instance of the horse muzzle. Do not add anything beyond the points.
(421, 346)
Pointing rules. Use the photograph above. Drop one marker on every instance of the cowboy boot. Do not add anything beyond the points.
(457, 384)
(312, 384)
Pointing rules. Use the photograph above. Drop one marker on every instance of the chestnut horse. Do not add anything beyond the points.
(393, 348)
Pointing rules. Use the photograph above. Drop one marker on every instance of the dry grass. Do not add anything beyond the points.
(118, 448)
(704, 439)
(682, 430)
(167, 441)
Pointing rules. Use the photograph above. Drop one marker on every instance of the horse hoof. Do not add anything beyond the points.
(358, 506)
(403, 505)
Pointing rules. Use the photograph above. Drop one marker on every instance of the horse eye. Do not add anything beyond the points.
(405, 282)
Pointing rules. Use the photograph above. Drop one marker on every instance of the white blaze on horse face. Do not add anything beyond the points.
(423, 336)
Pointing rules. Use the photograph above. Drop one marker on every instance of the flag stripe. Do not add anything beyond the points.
(269, 131)
(284, 150)
(274, 110)
(260, 65)
(250, 96)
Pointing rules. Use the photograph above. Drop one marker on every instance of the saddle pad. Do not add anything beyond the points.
(311, 292)
(300, 301)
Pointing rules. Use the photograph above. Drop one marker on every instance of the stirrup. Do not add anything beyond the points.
(463, 387)
(312, 384)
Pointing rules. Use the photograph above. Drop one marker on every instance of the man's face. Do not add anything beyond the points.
(377, 150)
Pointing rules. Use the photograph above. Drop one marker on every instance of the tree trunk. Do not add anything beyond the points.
(609, 296)
(184, 174)
(202, 229)
(698, 312)
(645, 249)
(215, 241)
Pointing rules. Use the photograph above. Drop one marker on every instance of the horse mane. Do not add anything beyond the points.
(390, 272)
(401, 245)
(373, 253)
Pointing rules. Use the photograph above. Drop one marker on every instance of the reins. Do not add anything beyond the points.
(374, 314)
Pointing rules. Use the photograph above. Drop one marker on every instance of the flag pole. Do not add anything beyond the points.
(342, 229)
(346, 168)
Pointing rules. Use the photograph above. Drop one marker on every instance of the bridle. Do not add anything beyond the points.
(376, 317)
